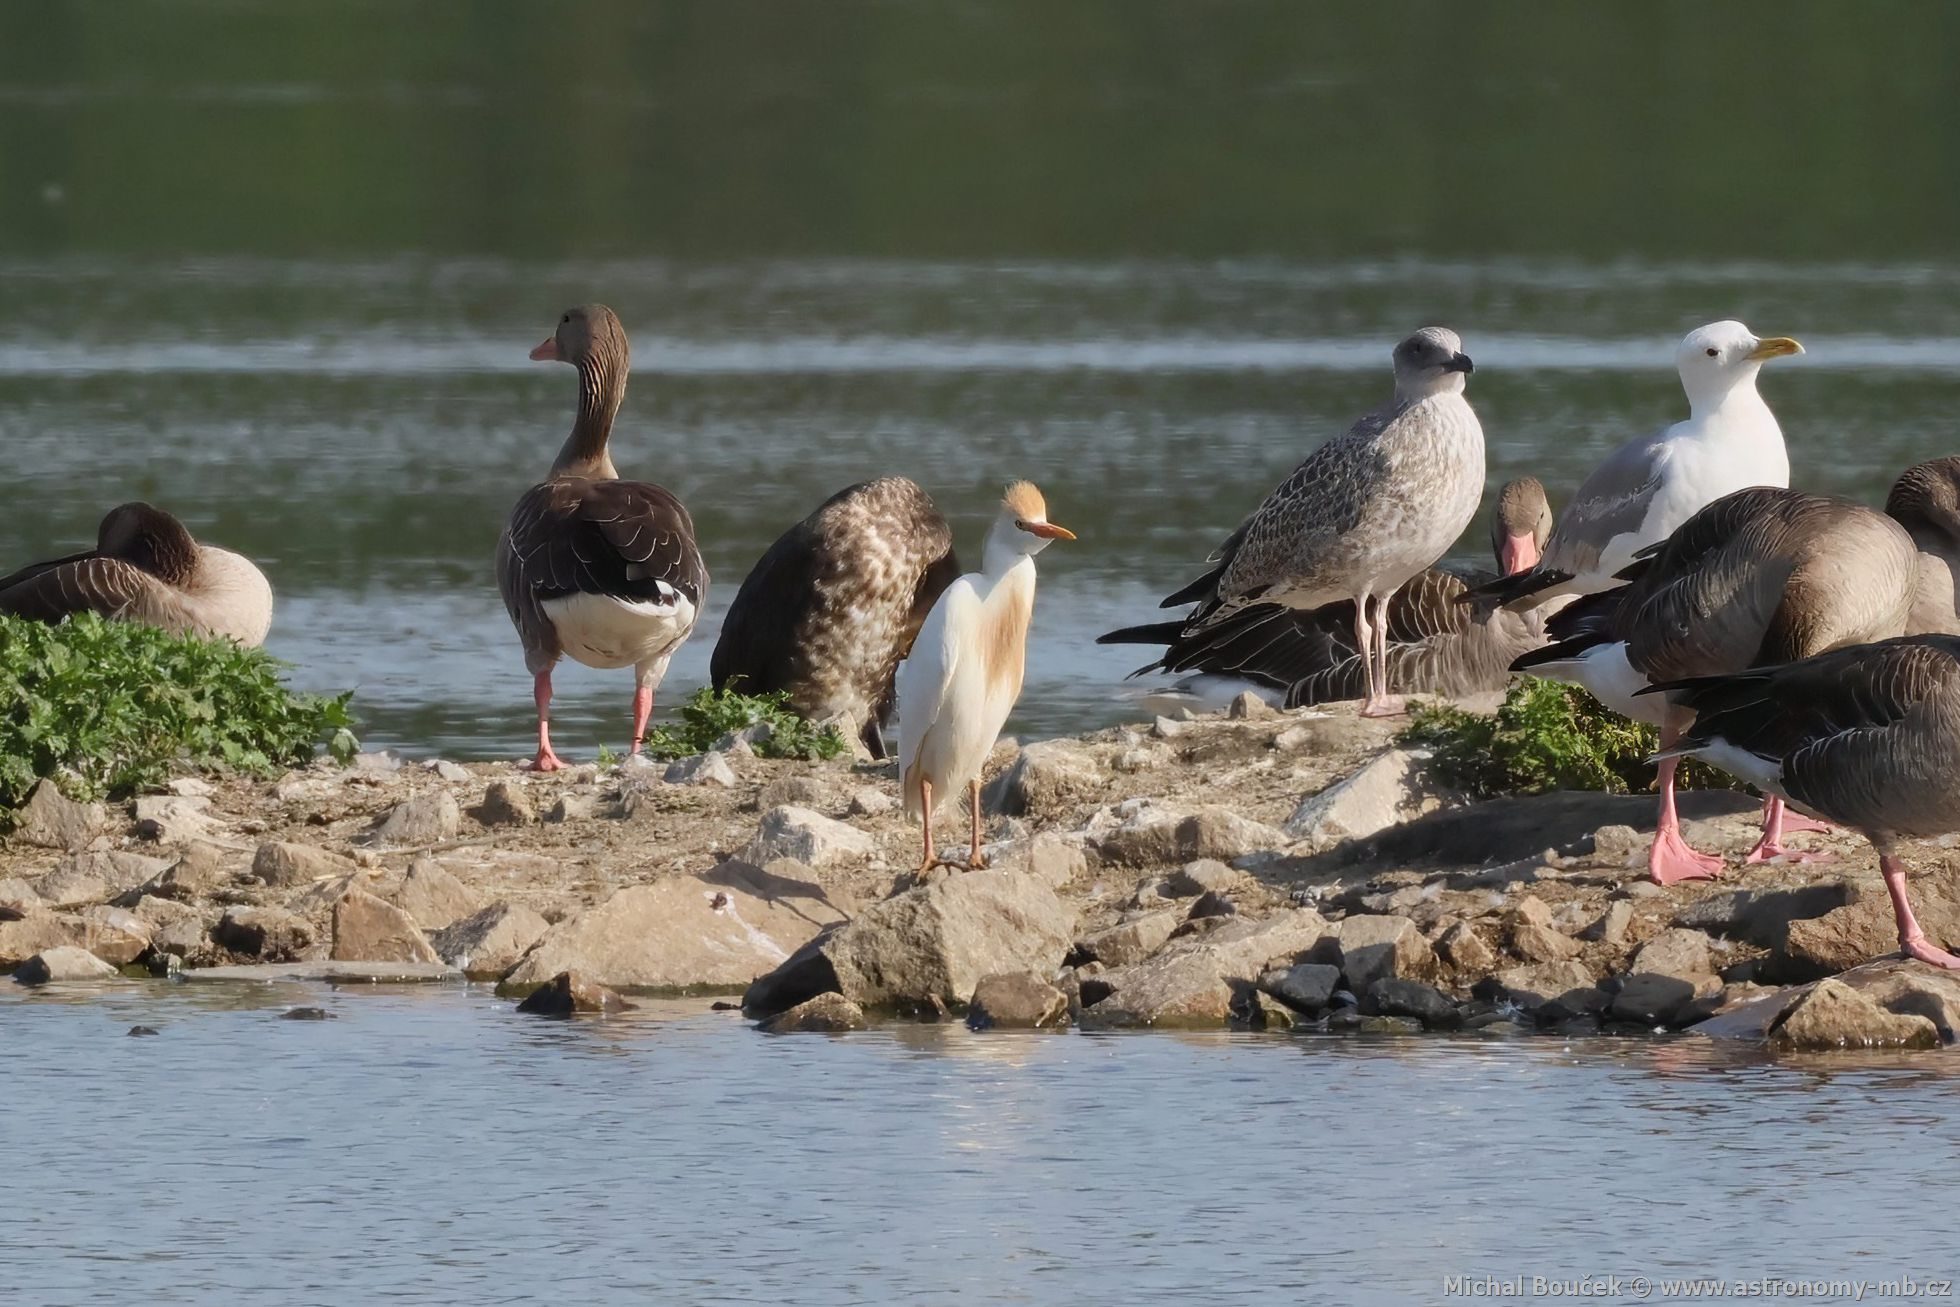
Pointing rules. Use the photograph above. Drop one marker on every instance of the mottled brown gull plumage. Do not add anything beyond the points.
(147, 568)
(834, 604)
(1363, 513)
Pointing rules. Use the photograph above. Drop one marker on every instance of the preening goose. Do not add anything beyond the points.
(963, 675)
(590, 566)
(145, 567)
(1362, 514)
(836, 602)
(1435, 644)
(1648, 487)
(1867, 737)
(1925, 500)
(1760, 576)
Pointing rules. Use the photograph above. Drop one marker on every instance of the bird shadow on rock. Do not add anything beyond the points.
(785, 892)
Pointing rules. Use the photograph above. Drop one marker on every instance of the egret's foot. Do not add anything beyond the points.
(1671, 861)
(1765, 851)
(545, 761)
(977, 861)
(930, 865)
(1389, 705)
(1926, 951)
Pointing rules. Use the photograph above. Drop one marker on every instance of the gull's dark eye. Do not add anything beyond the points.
(1713, 352)
(1020, 524)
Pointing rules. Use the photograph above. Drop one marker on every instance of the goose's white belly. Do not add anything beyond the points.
(601, 631)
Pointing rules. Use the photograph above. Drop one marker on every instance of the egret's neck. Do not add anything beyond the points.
(1736, 400)
(601, 387)
(1002, 551)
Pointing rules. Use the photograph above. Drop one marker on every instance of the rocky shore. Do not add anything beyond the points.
(1252, 869)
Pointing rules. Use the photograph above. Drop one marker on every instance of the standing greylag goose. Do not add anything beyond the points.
(146, 568)
(836, 602)
(1649, 486)
(1363, 513)
(591, 566)
(1760, 576)
(963, 675)
(1436, 645)
(1925, 500)
(1863, 737)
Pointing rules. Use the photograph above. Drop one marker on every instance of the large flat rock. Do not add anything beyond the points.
(338, 973)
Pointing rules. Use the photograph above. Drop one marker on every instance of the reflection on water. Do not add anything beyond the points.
(432, 1145)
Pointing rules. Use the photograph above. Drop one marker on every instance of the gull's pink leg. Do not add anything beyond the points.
(1670, 860)
(541, 694)
(1777, 819)
(1380, 702)
(1911, 938)
(642, 709)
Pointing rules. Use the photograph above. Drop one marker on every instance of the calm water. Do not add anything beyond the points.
(434, 1146)
(276, 264)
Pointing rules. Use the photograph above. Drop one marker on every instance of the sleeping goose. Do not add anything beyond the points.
(603, 570)
(1760, 576)
(1363, 513)
(145, 567)
(1925, 500)
(1651, 485)
(831, 608)
(1864, 737)
(1436, 645)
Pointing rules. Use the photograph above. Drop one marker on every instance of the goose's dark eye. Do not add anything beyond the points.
(1713, 352)
(568, 317)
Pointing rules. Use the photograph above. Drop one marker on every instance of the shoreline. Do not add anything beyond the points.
(1251, 869)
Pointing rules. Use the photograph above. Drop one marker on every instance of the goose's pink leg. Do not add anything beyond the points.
(1777, 818)
(1670, 860)
(1911, 938)
(1795, 823)
(642, 709)
(541, 693)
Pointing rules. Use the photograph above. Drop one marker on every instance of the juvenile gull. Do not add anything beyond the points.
(1294, 659)
(1363, 513)
(1760, 576)
(1862, 736)
(1649, 486)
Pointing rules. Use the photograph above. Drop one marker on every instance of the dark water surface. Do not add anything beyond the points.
(276, 265)
(434, 1146)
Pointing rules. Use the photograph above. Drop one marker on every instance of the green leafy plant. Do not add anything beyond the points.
(110, 707)
(1545, 736)
(710, 714)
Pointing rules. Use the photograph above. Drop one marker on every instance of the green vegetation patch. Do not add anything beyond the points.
(1545, 736)
(106, 708)
(710, 714)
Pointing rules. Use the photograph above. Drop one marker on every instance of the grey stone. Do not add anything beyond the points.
(573, 805)
(1201, 981)
(116, 935)
(31, 933)
(1154, 836)
(1464, 951)
(1834, 1015)
(930, 945)
(1651, 998)
(1536, 943)
(824, 1014)
(703, 769)
(428, 818)
(869, 801)
(1385, 792)
(285, 865)
(1305, 987)
(718, 930)
(569, 994)
(489, 943)
(199, 872)
(1020, 999)
(49, 819)
(434, 897)
(96, 877)
(69, 963)
(1203, 875)
(1368, 948)
(1411, 998)
(1051, 859)
(170, 819)
(270, 934)
(505, 803)
(1129, 941)
(1620, 846)
(1531, 987)
(789, 791)
(1249, 707)
(446, 770)
(1680, 953)
(1612, 925)
(17, 898)
(1044, 778)
(191, 787)
(367, 929)
(809, 837)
